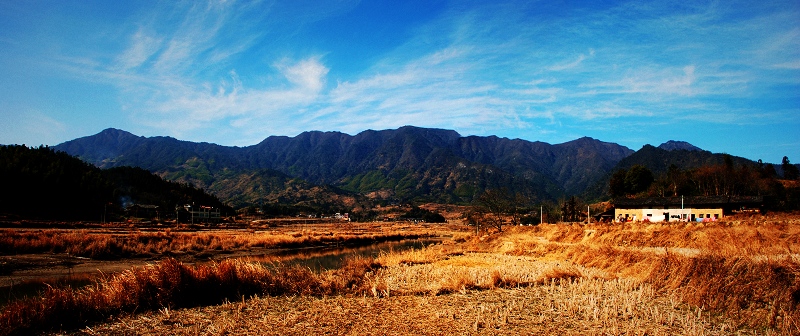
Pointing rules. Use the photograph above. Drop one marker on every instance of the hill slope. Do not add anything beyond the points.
(404, 164)
(45, 184)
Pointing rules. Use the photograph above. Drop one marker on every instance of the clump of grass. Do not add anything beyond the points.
(427, 255)
(760, 293)
(171, 284)
(451, 273)
(569, 273)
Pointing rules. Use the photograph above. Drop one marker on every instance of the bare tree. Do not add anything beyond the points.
(494, 207)
(491, 207)
(571, 210)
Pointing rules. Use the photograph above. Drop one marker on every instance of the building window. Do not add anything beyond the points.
(708, 215)
(716, 216)
(699, 215)
(649, 215)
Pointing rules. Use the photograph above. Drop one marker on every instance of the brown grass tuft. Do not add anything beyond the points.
(171, 284)
(758, 293)
(745, 268)
(107, 244)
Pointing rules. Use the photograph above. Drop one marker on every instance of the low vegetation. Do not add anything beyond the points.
(111, 244)
(168, 284)
(738, 276)
(744, 269)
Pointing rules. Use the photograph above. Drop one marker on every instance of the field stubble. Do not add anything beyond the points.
(740, 277)
(566, 307)
(107, 243)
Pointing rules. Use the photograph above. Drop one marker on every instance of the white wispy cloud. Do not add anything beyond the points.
(187, 68)
(142, 47)
(573, 64)
(309, 73)
(648, 81)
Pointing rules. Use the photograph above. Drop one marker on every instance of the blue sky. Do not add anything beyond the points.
(722, 75)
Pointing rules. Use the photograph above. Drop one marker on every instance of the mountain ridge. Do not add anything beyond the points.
(406, 163)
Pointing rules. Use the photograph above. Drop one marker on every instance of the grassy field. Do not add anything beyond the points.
(739, 276)
(115, 243)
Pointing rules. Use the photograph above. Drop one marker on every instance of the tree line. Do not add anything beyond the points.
(726, 179)
(495, 208)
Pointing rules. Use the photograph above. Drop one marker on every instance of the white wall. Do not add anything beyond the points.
(658, 214)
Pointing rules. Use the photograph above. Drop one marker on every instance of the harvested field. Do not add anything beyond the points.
(466, 294)
(116, 243)
(736, 277)
(581, 307)
(66, 248)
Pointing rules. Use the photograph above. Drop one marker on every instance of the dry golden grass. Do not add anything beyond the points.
(736, 277)
(170, 283)
(563, 307)
(111, 244)
(747, 269)
(471, 271)
(756, 235)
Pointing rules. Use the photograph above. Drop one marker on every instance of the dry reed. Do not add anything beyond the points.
(562, 306)
(746, 269)
(171, 284)
(695, 278)
(109, 245)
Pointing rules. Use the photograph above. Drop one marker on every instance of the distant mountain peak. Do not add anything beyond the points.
(679, 145)
(112, 130)
(444, 134)
(115, 132)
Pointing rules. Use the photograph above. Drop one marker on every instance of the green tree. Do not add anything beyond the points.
(638, 179)
(424, 214)
(790, 171)
(616, 185)
(632, 181)
(766, 170)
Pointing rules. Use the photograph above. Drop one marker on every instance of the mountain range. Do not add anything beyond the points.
(404, 164)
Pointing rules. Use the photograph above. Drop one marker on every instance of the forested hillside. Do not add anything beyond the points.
(703, 174)
(405, 164)
(44, 184)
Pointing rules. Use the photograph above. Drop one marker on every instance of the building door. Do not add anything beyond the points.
(666, 216)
